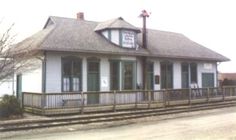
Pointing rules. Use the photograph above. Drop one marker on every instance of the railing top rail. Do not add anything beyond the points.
(230, 86)
(123, 91)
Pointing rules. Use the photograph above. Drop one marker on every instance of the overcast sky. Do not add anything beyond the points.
(211, 23)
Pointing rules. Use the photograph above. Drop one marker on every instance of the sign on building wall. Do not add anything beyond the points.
(128, 39)
(104, 82)
(208, 66)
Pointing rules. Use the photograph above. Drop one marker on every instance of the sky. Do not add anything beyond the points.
(211, 23)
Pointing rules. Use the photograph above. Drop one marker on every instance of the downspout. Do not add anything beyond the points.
(44, 72)
(217, 74)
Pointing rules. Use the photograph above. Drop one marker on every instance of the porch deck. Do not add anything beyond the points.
(53, 103)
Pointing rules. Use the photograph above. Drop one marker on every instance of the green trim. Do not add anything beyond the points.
(19, 86)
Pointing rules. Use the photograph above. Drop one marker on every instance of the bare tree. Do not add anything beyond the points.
(12, 58)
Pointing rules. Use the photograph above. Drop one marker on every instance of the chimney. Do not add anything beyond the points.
(144, 15)
(80, 16)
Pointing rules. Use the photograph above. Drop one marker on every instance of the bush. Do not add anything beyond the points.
(10, 106)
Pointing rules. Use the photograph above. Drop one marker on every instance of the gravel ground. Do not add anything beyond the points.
(212, 124)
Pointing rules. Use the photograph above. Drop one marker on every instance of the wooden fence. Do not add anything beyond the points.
(59, 103)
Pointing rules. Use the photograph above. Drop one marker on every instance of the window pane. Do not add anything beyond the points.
(66, 67)
(66, 84)
(93, 67)
(114, 75)
(76, 84)
(76, 68)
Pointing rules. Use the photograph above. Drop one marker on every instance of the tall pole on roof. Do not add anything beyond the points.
(144, 15)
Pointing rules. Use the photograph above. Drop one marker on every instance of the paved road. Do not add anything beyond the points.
(217, 124)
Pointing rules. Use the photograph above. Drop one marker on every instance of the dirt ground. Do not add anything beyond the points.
(215, 124)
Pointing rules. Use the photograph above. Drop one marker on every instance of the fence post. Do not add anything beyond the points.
(208, 94)
(136, 100)
(22, 100)
(82, 99)
(190, 96)
(32, 98)
(114, 104)
(42, 103)
(164, 98)
(223, 93)
(149, 99)
(230, 91)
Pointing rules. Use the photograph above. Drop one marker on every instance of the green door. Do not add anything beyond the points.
(150, 78)
(207, 80)
(19, 87)
(93, 82)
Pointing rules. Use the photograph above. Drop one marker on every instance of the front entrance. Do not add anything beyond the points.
(93, 82)
(150, 78)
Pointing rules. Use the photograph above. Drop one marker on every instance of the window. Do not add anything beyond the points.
(128, 75)
(71, 74)
(193, 70)
(185, 75)
(166, 75)
(189, 74)
(114, 75)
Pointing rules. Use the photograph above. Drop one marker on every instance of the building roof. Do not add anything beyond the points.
(72, 35)
(117, 23)
(228, 76)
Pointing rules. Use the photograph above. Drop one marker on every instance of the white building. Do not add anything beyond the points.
(79, 55)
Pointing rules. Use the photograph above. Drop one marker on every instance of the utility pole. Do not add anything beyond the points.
(144, 15)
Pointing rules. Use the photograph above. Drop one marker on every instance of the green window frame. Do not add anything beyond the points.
(71, 74)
